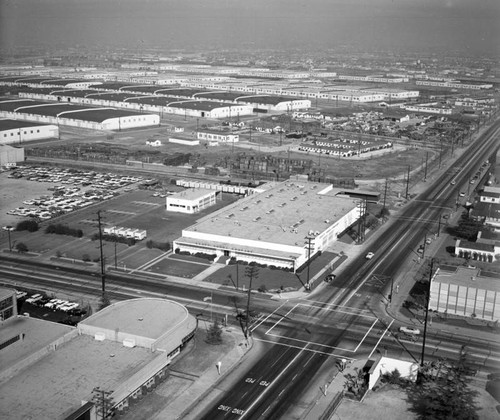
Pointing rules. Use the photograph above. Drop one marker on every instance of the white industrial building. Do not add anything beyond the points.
(218, 136)
(465, 292)
(102, 118)
(10, 155)
(185, 141)
(191, 201)
(18, 132)
(281, 224)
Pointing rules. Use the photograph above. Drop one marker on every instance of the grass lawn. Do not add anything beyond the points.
(271, 279)
(178, 268)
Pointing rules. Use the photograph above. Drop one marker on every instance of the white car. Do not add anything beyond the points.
(409, 330)
(462, 194)
(370, 255)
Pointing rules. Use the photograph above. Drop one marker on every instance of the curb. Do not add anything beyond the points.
(204, 395)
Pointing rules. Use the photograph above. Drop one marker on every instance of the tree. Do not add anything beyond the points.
(355, 383)
(21, 247)
(442, 392)
(104, 301)
(214, 333)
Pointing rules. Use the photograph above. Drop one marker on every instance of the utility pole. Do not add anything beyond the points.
(309, 239)
(252, 272)
(361, 224)
(103, 274)
(116, 262)
(103, 403)
(426, 160)
(440, 153)
(425, 242)
(407, 182)
(426, 314)
(385, 196)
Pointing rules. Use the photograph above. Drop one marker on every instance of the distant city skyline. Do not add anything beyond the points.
(468, 26)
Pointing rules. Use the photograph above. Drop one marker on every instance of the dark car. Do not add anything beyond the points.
(243, 315)
(330, 277)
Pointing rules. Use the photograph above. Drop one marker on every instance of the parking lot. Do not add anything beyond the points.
(121, 204)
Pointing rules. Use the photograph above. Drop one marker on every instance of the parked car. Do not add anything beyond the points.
(34, 298)
(409, 330)
(370, 255)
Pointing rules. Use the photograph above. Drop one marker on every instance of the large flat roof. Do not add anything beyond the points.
(265, 99)
(192, 193)
(57, 383)
(199, 105)
(154, 100)
(285, 213)
(112, 96)
(10, 105)
(78, 93)
(469, 277)
(76, 112)
(16, 124)
(152, 89)
(37, 334)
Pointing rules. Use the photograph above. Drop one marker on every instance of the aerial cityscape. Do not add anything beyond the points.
(225, 209)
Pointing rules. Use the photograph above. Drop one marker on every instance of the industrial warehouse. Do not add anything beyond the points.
(281, 224)
(15, 132)
(125, 349)
(103, 118)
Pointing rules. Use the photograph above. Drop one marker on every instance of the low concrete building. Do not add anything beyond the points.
(191, 201)
(186, 141)
(125, 349)
(477, 251)
(218, 136)
(8, 308)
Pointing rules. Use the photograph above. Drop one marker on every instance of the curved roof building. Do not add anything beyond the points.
(153, 323)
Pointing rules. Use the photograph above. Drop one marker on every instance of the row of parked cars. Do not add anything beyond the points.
(71, 308)
(97, 187)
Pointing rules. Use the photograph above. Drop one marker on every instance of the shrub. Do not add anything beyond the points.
(163, 246)
(115, 238)
(60, 229)
(85, 257)
(21, 247)
(29, 225)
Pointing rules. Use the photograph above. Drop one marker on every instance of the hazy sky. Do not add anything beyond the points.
(445, 25)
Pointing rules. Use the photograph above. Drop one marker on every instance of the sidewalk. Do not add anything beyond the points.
(325, 398)
(194, 382)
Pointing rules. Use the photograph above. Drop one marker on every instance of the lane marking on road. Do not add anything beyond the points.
(312, 343)
(257, 400)
(379, 340)
(302, 348)
(282, 318)
(268, 316)
(366, 335)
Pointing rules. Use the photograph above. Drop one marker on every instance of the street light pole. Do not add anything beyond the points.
(9, 229)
